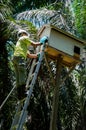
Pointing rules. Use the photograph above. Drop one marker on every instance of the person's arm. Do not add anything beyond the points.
(43, 40)
(31, 55)
(35, 44)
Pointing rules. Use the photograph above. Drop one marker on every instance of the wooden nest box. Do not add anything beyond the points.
(61, 42)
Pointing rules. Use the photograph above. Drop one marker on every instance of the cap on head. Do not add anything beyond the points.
(21, 32)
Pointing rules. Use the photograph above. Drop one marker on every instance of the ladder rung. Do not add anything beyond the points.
(36, 63)
(22, 101)
(29, 81)
(18, 113)
(32, 75)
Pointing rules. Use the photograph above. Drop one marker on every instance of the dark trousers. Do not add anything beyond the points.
(20, 73)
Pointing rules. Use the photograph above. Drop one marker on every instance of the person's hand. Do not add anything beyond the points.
(44, 39)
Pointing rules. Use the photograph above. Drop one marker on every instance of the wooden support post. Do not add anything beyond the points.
(53, 123)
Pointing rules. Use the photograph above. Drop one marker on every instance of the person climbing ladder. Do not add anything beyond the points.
(21, 53)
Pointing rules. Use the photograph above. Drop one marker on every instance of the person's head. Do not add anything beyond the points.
(22, 33)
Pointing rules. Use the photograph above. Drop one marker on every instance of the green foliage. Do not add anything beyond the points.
(79, 9)
(68, 105)
(29, 4)
(80, 76)
(55, 6)
(5, 70)
(72, 102)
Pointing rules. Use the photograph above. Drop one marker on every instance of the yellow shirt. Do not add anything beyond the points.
(22, 46)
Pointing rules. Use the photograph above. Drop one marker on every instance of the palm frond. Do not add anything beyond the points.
(43, 16)
(4, 12)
